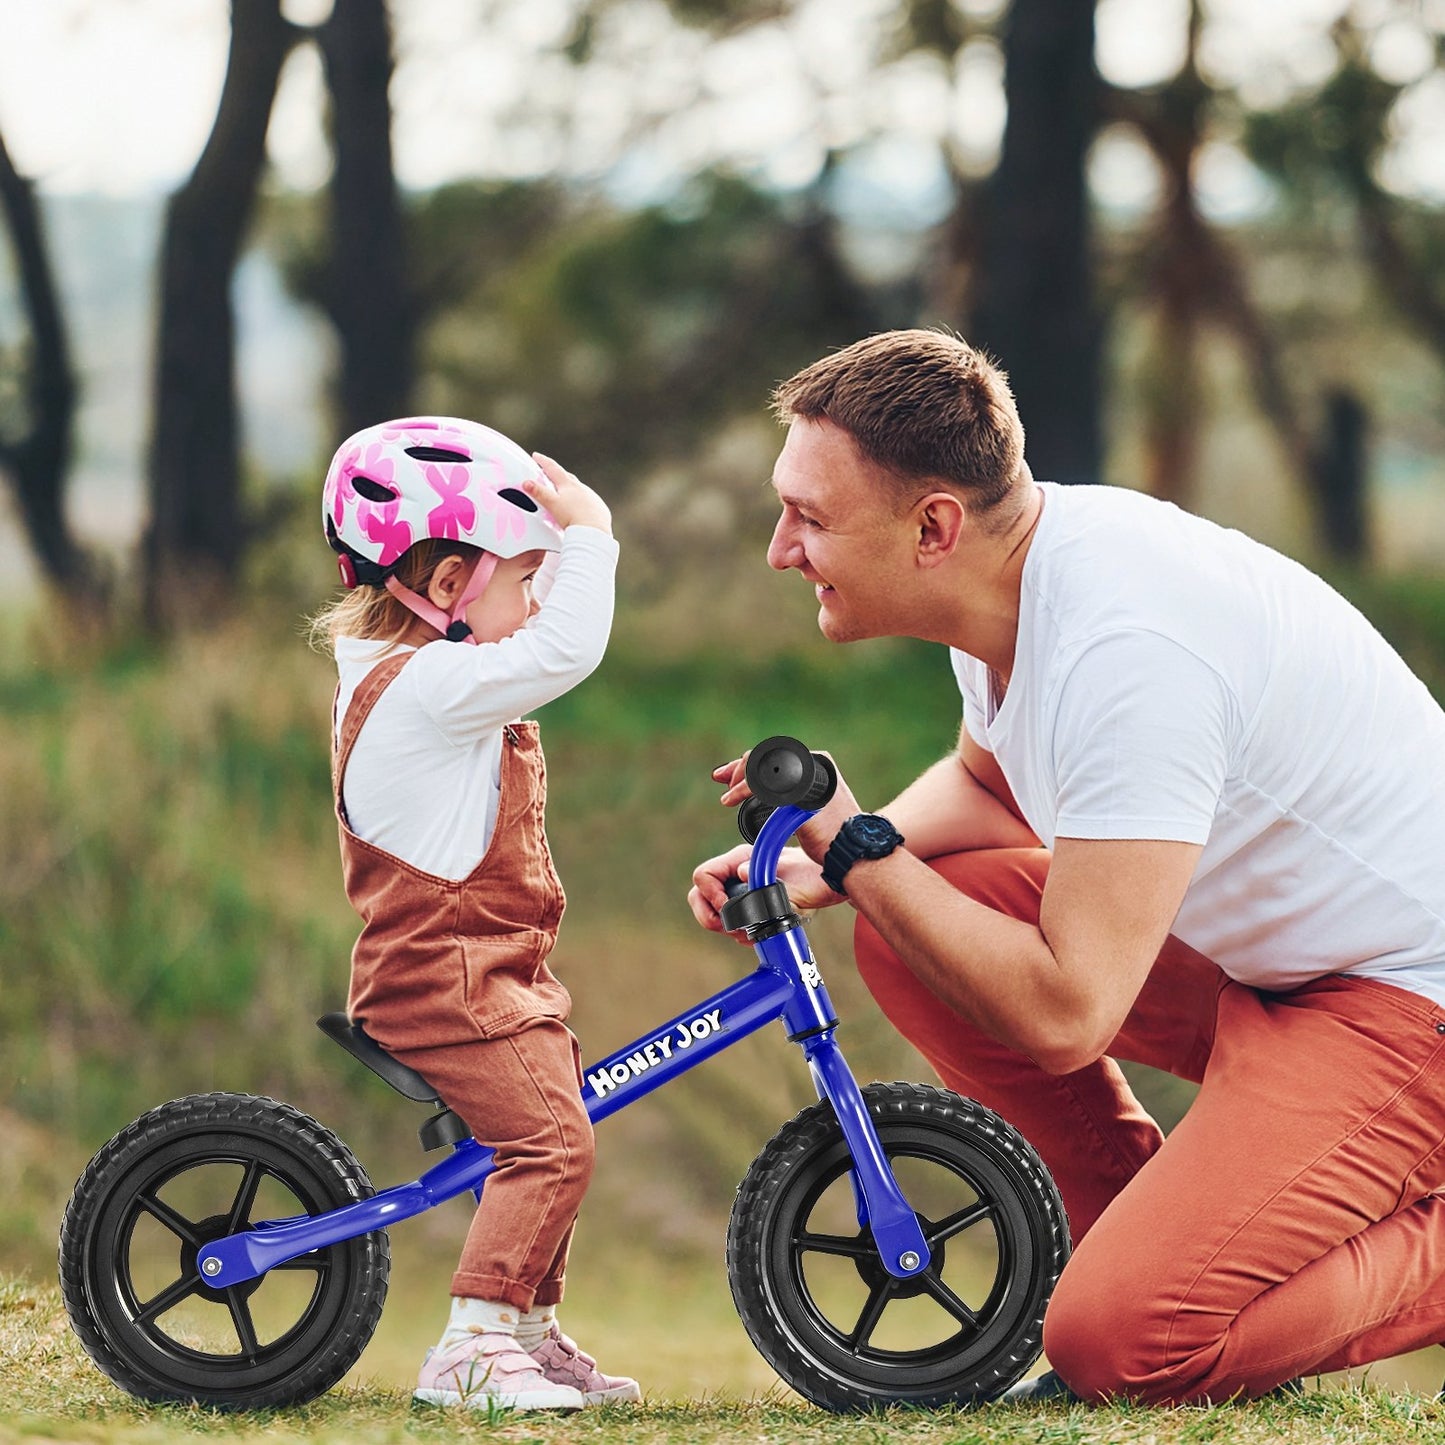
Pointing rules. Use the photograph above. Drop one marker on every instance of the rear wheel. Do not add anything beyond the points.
(189, 1172)
(813, 1293)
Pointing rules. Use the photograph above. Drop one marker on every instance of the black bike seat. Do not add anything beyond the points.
(360, 1045)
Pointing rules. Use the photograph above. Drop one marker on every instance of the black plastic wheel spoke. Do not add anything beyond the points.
(873, 1308)
(240, 1214)
(954, 1224)
(245, 1326)
(167, 1299)
(850, 1246)
(948, 1299)
(178, 1224)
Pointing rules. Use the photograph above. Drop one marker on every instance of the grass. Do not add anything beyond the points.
(52, 1392)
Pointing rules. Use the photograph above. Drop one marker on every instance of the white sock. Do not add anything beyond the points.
(535, 1325)
(478, 1317)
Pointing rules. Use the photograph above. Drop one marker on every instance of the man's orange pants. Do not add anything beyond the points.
(1289, 1225)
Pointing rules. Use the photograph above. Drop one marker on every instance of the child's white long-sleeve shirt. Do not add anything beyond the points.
(424, 777)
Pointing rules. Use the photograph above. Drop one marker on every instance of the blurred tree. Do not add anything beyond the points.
(198, 527)
(614, 339)
(363, 284)
(1033, 302)
(578, 326)
(1014, 265)
(1325, 150)
(39, 393)
(1188, 275)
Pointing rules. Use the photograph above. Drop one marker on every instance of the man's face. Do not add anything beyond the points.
(840, 530)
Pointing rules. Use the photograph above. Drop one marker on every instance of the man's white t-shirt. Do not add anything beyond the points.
(424, 778)
(1175, 680)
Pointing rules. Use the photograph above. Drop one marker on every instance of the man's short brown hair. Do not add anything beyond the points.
(921, 405)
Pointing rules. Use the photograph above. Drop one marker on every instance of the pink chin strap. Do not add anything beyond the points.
(448, 626)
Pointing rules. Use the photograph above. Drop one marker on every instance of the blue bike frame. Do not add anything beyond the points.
(786, 985)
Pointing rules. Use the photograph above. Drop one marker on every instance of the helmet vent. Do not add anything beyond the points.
(374, 491)
(437, 454)
(518, 499)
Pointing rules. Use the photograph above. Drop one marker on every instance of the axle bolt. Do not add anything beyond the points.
(213, 1266)
(908, 1260)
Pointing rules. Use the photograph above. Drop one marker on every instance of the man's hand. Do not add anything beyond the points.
(796, 871)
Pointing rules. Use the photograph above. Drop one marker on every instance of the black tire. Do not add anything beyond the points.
(815, 1298)
(127, 1256)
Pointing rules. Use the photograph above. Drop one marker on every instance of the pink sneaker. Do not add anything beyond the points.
(492, 1370)
(564, 1364)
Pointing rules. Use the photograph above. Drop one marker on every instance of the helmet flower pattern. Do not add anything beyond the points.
(339, 490)
(381, 524)
(457, 513)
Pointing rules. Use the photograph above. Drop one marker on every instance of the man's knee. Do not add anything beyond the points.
(1109, 1340)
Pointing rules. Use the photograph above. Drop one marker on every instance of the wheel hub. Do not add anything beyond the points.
(873, 1274)
(217, 1226)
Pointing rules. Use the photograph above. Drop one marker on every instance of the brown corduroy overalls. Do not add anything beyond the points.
(451, 977)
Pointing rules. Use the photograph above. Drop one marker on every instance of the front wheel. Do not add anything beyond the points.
(814, 1295)
(190, 1172)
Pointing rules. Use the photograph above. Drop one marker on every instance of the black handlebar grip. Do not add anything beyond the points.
(781, 771)
(735, 887)
(751, 816)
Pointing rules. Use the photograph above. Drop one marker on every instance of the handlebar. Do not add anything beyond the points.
(782, 773)
(789, 784)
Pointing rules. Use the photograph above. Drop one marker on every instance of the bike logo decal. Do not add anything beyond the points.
(681, 1036)
(811, 976)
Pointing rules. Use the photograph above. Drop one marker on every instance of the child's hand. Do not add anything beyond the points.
(572, 503)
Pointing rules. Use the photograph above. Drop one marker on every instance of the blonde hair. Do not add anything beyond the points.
(372, 612)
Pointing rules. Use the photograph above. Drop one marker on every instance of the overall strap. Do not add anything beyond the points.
(363, 700)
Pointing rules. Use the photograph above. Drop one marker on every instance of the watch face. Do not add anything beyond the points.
(872, 832)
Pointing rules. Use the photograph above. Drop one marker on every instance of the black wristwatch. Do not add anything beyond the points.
(864, 835)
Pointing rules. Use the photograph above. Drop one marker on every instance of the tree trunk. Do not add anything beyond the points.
(1341, 478)
(366, 291)
(197, 534)
(1033, 298)
(1197, 278)
(38, 458)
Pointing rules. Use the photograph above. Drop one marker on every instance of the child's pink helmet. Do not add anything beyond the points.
(402, 482)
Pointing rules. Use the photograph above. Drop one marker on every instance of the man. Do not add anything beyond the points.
(1238, 788)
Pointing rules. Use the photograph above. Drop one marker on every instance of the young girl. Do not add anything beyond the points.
(481, 588)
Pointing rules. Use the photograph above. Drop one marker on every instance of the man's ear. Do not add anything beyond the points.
(940, 518)
(446, 582)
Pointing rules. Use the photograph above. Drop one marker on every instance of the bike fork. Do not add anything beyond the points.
(879, 1201)
(811, 1023)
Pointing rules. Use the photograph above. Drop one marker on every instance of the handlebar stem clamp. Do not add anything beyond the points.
(760, 912)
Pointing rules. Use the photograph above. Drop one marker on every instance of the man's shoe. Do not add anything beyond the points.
(1289, 1390)
(1048, 1386)
(563, 1363)
(491, 1371)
